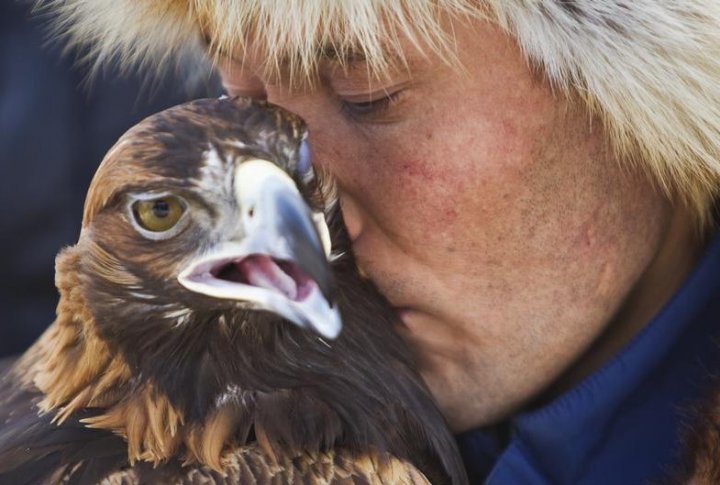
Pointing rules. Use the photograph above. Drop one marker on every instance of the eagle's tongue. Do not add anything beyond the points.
(260, 270)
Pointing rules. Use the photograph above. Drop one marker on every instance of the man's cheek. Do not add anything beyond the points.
(428, 194)
(412, 190)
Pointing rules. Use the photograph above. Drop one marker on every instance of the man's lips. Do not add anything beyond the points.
(402, 310)
(403, 313)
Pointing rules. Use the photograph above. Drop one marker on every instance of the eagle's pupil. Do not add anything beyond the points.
(161, 209)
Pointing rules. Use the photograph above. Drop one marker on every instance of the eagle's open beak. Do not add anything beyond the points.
(280, 263)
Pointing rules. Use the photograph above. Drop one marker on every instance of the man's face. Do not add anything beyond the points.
(487, 209)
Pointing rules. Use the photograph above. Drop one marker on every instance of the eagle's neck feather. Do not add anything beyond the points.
(64, 370)
(75, 370)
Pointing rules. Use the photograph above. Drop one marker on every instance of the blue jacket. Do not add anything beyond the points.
(624, 423)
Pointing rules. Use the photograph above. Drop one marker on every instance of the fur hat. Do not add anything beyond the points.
(649, 69)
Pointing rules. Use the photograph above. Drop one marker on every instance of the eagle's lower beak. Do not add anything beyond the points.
(280, 263)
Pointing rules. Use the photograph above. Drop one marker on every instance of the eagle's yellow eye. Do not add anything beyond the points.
(158, 215)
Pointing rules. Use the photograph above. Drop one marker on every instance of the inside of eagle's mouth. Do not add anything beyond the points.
(263, 271)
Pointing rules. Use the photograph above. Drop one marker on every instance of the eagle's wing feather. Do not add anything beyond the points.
(72, 453)
(335, 466)
(34, 450)
(250, 465)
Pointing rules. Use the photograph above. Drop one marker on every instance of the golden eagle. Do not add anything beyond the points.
(198, 334)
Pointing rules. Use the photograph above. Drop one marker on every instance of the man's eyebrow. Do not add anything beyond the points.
(348, 55)
(327, 52)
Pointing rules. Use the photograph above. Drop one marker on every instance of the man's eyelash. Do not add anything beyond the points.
(361, 109)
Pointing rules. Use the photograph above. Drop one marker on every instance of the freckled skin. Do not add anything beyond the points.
(492, 211)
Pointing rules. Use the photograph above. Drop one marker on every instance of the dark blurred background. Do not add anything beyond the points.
(54, 130)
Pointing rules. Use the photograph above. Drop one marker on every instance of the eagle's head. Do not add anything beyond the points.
(210, 207)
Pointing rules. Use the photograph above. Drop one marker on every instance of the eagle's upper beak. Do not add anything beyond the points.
(280, 262)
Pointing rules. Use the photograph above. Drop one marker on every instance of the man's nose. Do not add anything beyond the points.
(333, 145)
(327, 155)
(352, 215)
